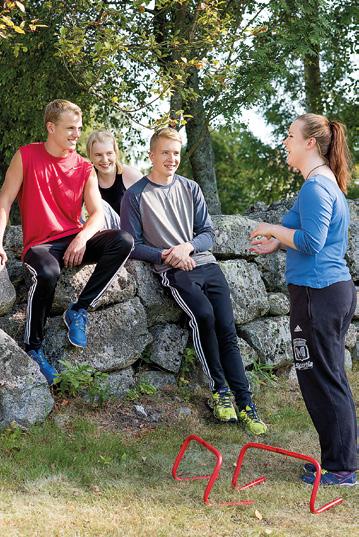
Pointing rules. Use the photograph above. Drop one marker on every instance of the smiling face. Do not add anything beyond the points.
(298, 148)
(104, 158)
(165, 157)
(64, 134)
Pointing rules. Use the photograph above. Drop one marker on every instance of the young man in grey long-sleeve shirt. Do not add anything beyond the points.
(168, 218)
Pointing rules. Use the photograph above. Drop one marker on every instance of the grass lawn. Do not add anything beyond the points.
(101, 473)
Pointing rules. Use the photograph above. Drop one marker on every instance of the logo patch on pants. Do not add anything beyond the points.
(301, 354)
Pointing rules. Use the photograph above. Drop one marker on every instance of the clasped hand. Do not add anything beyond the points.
(178, 257)
(262, 240)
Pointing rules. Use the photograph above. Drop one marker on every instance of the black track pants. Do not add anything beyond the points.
(319, 320)
(204, 296)
(109, 249)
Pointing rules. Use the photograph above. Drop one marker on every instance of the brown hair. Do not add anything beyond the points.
(54, 110)
(332, 145)
(103, 137)
(167, 132)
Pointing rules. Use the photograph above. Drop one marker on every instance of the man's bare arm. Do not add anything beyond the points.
(8, 193)
(92, 198)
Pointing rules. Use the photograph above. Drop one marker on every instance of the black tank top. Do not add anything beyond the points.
(113, 194)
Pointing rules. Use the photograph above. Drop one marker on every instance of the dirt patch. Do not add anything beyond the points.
(133, 417)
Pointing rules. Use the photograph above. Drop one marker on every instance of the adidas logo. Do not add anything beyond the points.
(298, 329)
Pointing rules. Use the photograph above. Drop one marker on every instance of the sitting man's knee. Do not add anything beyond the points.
(205, 317)
(48, 275)
(126, 240)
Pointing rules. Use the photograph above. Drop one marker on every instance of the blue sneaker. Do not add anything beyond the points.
(76, 322)
(46, 369)
(309, 468)
(347, 479)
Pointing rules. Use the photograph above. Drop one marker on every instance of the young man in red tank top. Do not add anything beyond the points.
(51, 181)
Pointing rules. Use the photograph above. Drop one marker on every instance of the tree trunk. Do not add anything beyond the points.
(311, 62)
(312, 83)
(199, 147)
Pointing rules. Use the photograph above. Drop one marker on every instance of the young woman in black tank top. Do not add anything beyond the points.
(114, 178)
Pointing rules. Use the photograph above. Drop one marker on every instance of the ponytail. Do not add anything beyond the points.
(338, 155)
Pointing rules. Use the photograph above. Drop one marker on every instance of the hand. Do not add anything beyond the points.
(178, 257)
(186, 264)
(75, 252)
(176, 254)
(264, 245)
(263, 230)
(3, 257)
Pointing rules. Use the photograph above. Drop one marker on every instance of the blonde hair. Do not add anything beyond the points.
(57, 107)
(168, 133)
(331, 140)
(102, 137)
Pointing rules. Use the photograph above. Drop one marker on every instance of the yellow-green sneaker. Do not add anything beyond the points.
(251, 421)
(221, 404)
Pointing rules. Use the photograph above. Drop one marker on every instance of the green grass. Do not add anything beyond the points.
(74, 477)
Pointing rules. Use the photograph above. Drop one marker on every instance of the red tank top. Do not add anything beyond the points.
(51, 195)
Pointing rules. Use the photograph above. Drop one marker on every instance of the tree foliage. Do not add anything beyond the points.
(318, 74)
(195, 64)
(31, 75)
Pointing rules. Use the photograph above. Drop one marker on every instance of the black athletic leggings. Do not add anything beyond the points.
(109, 249)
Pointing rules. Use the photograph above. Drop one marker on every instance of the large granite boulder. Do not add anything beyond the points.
(355, 350)
(351, 337)
(249, 355)
(354, 209)
(352, 255)
(270, 337)
(7, 292)
(356, 313)
(158, 379)
(278, 304)
(14, 323)
(159, 304)
(232, 236)
(13, 247)
(249, 297)
(117, 337)
(272, 270)
(72, 281)
(273, 213)
(119, 382)
(167, 347)
(24, 394)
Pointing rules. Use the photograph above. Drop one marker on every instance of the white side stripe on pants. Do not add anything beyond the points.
(193, 324)
(97, 298)
(29, 302)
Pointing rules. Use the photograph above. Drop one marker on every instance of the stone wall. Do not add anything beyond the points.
(137, 331)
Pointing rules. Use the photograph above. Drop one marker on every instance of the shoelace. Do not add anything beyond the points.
(225, 400)
(252, 413)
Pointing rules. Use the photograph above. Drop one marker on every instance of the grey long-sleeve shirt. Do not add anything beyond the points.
(162, 216)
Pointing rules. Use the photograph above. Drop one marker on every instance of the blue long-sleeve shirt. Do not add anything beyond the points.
(161, 216)
(320, 216)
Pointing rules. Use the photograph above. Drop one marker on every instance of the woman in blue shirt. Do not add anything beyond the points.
(322, 294)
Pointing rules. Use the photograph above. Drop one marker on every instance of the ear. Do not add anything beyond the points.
(311, 143)
(50, 126)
